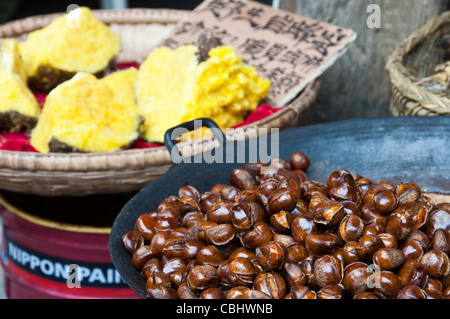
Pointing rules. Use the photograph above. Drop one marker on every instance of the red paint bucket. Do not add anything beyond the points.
(58, 247)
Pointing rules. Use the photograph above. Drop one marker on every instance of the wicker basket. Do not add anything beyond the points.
(416, 58)
(55, 174)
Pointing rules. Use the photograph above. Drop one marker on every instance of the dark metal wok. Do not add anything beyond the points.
(401, 149)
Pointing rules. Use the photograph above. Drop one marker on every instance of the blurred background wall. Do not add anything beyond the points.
(356, 86)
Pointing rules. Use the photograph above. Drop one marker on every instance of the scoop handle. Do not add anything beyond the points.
(173, 133)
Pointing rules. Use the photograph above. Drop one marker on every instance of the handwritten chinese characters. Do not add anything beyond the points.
(288, 49)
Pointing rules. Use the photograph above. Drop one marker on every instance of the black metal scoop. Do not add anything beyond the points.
(400, 149)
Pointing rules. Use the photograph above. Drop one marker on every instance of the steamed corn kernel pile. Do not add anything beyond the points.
(14, 93)
(90, 115)
(74, 42)
(172, 88)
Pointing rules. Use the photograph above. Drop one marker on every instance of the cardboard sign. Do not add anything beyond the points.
(288, 49)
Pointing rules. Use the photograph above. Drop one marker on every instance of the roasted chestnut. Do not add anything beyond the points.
(273, 233)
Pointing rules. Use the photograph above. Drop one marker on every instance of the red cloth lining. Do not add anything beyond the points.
(15, 142)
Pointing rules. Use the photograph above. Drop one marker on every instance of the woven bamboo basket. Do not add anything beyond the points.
(76, 174)
(414, 59)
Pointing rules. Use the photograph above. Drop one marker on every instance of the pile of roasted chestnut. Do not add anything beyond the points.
(273, 233)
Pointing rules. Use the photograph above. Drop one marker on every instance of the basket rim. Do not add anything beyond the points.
(132, 158)
(108, 16)
(403, 81)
